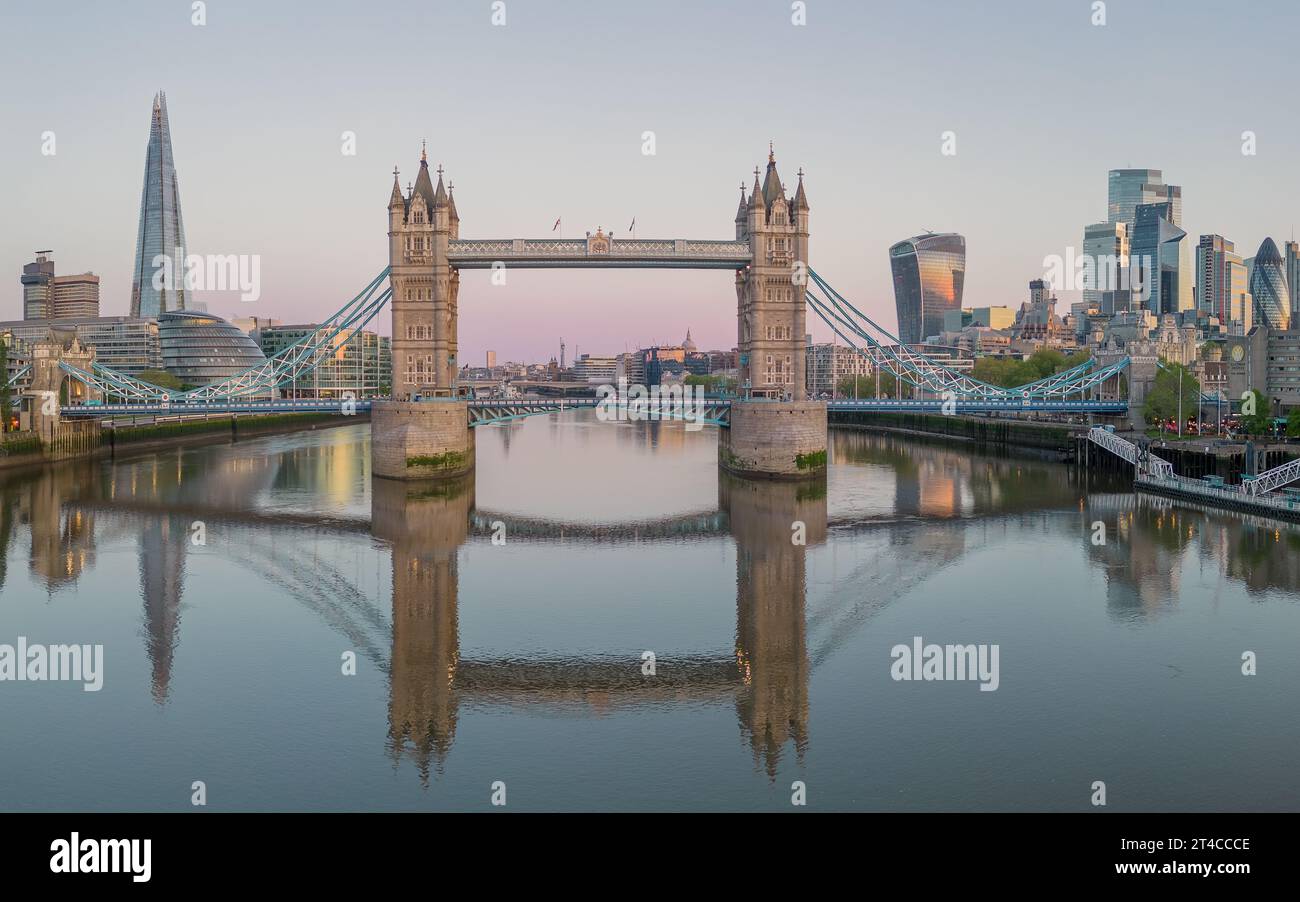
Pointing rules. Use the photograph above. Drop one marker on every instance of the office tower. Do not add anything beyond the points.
(162, 230)
(1292, 257)
(1268, 287)
(1222, 287)
(1160, 264)
(929, 271)
(491, 359)
(1106, 244)
(1131, 188)
(75, 297)
(38, 281)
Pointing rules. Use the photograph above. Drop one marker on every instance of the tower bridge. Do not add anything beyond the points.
(426, 429)
(768, 253)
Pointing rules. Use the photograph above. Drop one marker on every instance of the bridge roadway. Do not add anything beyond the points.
(492, 410)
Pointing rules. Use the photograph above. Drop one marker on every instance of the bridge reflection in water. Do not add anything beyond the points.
(426, 525)
(912, 509)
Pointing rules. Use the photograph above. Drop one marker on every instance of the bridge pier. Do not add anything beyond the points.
(775, 440)
(421, 439)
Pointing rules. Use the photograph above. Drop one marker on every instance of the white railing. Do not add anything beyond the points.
(1272, 479)
(1126, 450)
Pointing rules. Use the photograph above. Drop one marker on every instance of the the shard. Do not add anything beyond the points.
(155, 287)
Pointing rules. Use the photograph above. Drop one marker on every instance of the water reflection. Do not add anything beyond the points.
(773, 523)
(425, 524)
(893, 513)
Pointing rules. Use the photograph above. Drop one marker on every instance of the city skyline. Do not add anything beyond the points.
(259, 182)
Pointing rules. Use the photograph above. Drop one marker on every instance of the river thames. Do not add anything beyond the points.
(501, 624)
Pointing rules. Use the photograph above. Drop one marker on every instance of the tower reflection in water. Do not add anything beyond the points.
(771, 597)
(425, 525)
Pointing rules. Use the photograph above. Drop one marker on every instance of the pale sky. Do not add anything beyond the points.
(543, 118)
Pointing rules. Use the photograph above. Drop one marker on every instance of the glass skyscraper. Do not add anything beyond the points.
(1292, 255)
(1268, 287)
(929, 271)
(162, 231)
(1221, 284)
(1106, 244)
(1129, 189)
(1157, 256)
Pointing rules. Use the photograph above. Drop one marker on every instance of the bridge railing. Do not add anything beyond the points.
(1121, 447)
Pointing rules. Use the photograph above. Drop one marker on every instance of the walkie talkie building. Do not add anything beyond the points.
(162, 231)
(929, 271)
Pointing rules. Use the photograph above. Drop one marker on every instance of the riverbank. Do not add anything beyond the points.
(26, 450)
(1055, 439)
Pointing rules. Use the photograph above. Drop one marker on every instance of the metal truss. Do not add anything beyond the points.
(1272, 479)
(287, 366)
(13, 380)
(893, 356)
(1145, 461)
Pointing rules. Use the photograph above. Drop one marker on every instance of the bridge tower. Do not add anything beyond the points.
(428, 439)
(771, 311)
(779, 432)
(425, 287)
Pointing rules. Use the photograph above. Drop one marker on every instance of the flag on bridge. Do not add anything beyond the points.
(556, 226)
(632, 227)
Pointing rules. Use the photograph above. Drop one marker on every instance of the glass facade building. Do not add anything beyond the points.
(1269, 289)
(121, 343)
(1221, 286)
(199, 348)
(1129, 189)
(1106, 244)
(929, 272)
(38, 288)
(1292, 256)
(1159, 261)
(360, 363)
(162, 230)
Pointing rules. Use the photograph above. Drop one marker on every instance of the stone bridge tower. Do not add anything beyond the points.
(50, 386)
(424, 287)
(785, 439)
(770, 304)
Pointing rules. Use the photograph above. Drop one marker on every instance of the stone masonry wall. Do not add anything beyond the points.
(420, 439)
(784, 440)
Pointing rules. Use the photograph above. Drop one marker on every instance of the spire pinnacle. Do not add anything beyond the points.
(771, 153)
(424, 155)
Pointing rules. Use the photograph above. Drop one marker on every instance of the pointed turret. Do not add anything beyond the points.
(744, 207)
(756, 197)
(451, 202)
(800, 199)
(772, 188)
(440, 193)
(395, 199)
(424, 186)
